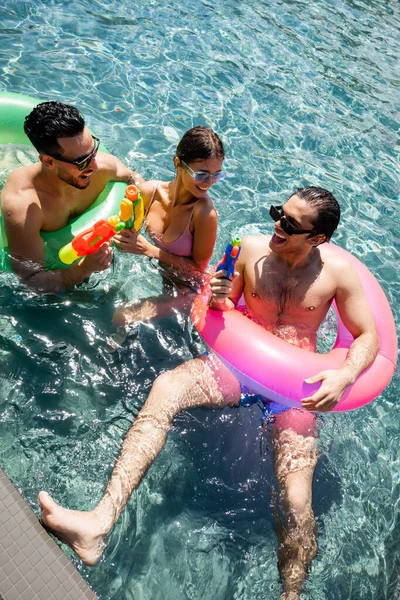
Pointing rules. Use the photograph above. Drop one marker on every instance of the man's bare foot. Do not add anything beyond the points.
(82, 531)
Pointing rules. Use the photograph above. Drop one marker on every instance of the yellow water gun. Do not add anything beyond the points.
(130, 216)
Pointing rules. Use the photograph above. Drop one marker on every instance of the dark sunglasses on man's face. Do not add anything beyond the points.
(84, 161)
(277, 214)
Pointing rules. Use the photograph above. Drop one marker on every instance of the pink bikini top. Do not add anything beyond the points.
(183, 246)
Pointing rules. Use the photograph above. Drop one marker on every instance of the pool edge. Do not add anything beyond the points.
(32, 566)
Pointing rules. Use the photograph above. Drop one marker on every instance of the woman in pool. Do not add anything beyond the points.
(180, 220)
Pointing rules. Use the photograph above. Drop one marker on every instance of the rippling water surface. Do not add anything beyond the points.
(301, 93)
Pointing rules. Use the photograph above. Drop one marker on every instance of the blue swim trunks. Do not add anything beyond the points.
(269, 408)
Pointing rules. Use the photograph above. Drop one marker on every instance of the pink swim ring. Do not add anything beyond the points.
(277, 370)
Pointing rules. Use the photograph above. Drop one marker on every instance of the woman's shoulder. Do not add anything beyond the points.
(204, 210)
(148, 187)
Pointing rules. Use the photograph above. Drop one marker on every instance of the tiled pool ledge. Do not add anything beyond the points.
(32, 566)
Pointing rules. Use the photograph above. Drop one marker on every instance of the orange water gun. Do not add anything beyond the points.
(130, 216)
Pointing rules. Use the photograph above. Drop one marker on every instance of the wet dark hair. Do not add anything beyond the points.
(328, 208)
(49, 121)
(200, 143)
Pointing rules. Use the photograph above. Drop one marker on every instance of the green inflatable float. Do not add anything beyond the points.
(13, 110)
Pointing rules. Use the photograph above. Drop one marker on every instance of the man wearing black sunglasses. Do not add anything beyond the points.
(69, 176)
(288, 282)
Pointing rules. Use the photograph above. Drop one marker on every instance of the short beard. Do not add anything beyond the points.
(74, 182)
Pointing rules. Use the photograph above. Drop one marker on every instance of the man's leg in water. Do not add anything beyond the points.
(153, 308)
(145, 311)
(295, 452)
(199, 382)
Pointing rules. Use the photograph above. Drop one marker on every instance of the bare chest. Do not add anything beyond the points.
(284, 298)
(57, 212)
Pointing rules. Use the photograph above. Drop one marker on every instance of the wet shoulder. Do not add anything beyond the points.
(22, 177)
(17, 207)
(147, 189)
(337, 266)
(255, 248)
(19, 189)
(255, 245)
(204, 208)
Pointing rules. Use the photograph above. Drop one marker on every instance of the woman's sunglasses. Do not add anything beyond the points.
(277, 214)
(82, 162)
(203, 176)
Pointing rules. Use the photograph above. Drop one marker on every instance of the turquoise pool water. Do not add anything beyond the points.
(301, 93)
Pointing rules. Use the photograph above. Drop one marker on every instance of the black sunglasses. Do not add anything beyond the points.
(83, 162)
(277, 214)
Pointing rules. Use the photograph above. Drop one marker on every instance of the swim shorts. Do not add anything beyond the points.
(269, 408)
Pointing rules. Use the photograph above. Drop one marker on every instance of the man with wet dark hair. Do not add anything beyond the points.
(288, 282)
(328, 210)
(68, 178)
(49, 121)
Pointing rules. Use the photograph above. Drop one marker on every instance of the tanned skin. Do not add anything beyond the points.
(288, 283)
(43, 197)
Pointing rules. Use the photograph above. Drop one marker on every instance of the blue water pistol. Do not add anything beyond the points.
(230, 257)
